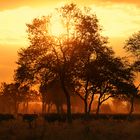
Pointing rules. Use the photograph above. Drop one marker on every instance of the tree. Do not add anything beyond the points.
(78, 60)
(10, 92)
(89, 42)
(108, 70)
(133, 45)
(99, 69)
(48, 55)
(91, 47)
(60, 58)
(127, 92)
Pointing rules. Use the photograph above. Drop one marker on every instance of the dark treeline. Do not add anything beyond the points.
(76, 63)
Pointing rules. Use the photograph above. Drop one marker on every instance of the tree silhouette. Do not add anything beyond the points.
(128, 92)
(133, 45)
(105, 72)
(14, 95)
(50, 58)
(89, 42)
(10, 92)
(79, 60)
(49, 55)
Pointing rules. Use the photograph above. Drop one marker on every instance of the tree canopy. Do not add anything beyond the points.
(78, 59)
(133, 46)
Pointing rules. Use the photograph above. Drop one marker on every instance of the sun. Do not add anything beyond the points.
(56, 27)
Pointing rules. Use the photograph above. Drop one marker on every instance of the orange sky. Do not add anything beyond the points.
(118, 18)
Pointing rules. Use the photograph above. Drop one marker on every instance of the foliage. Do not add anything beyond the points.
(79, 60)
(133, 45)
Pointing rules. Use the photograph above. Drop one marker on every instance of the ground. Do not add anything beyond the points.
(78, 130)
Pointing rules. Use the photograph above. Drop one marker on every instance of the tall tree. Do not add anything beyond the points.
(132, 46)
(108, 70)
(10, 92)
(127, 91)
(89, 44)
(51, 58)
(47, 55)
(78, 59)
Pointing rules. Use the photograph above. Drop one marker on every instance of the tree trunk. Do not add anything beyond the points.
(131, 106)
(16, 107)
(43, 107)
(98, 110)
(69, 117)
(49, 107)
(98, 107)
(57, 109)
(86, 99)
(86, 106)
(90, 104)
(86, 109)
(26, 106)
(68, 108)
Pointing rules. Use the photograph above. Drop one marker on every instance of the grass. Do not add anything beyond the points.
(78, 130)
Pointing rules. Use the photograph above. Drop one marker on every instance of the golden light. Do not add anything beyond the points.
(56, 27)
(119, 21)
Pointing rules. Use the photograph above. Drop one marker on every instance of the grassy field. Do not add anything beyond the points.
(79, 130)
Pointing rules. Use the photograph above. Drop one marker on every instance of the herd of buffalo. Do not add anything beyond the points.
(53, 117)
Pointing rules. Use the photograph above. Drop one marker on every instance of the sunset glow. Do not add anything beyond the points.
(56, 27)
(118, 21)
(69, 69)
